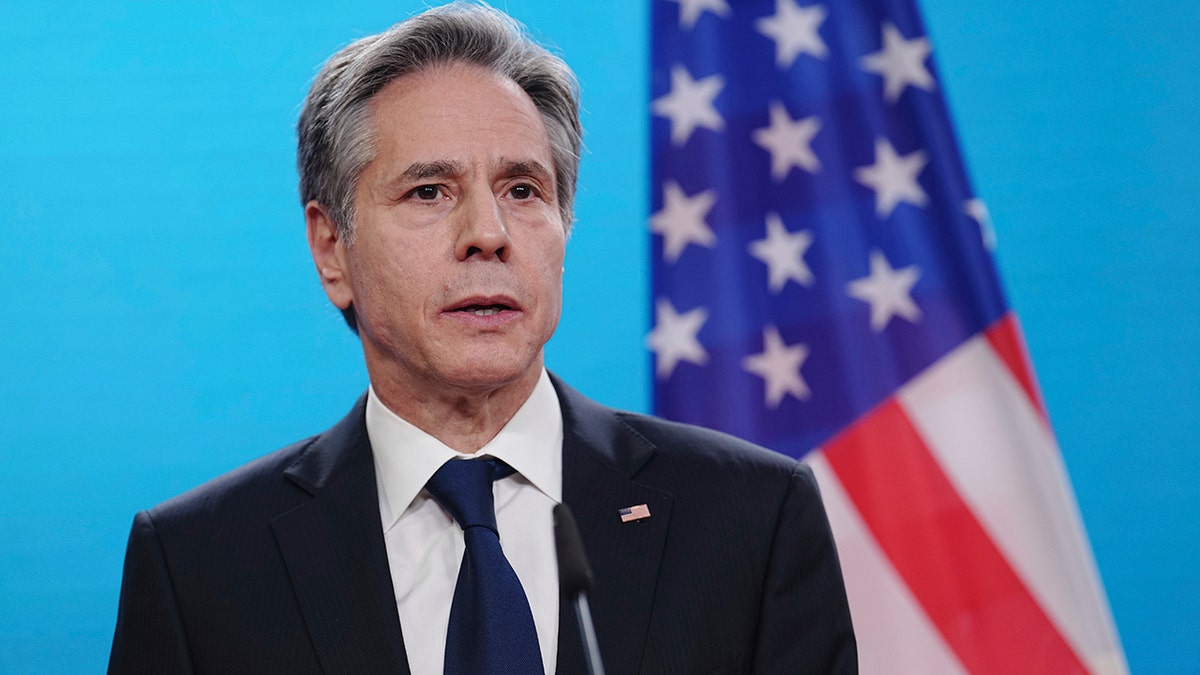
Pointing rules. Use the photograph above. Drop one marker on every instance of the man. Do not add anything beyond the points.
(437, 170)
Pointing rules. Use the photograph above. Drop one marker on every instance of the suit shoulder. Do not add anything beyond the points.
(681, 441)
(259, 481)
(627, 440)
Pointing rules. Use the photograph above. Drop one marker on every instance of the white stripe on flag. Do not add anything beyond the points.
(996, 449)
(894, 633)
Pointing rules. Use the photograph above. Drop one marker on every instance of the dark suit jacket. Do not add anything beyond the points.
(280, 566)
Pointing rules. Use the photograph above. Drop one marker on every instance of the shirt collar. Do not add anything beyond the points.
(406, 457)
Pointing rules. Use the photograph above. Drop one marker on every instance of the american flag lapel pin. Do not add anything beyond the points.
(630, 514)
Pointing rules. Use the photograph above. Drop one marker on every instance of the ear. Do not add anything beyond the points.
(329, 254)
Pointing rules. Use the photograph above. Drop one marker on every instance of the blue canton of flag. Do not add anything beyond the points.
(824, 286)
(818, 244)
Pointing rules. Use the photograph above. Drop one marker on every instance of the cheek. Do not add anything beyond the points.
(550, 263)
(552, 282)
(390, 284)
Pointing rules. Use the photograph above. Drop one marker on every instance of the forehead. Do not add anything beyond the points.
(457, 111)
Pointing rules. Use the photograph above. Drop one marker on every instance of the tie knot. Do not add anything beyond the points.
(464, 488)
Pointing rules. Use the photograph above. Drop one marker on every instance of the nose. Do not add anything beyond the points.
(482, 232)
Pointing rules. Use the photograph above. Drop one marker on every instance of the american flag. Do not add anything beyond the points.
(631, 514)
(824, 285)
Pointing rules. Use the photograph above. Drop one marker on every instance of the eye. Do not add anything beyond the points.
(426, 193)
(523, 191)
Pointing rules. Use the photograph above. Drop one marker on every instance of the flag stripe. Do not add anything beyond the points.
(963, 581)
(994, 446)
(880, 603)
(1005, 338)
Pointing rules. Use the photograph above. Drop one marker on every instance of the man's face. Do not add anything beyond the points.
(455, 271)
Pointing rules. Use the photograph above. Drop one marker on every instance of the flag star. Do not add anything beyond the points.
(979, 212)
(674, 337)
(681, 220)
(901, 63)
(783, 252)
(795, 31)
(888, 291)
(893, 178)
(690, 104)
(789, 142)
(690, 11)
(779, 366)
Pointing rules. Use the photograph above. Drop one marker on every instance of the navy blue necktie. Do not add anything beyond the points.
(491, 627)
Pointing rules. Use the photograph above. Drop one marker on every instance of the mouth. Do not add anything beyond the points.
(483, 310)
(484, 306)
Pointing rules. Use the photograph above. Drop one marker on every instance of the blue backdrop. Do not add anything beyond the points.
(163, 324)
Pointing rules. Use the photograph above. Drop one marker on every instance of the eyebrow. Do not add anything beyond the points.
(527, 167)
(445, 168)
(435, 169)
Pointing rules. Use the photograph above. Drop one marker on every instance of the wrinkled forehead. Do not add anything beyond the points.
(458, 112)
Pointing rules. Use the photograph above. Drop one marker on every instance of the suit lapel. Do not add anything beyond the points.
(601, 456)
(334, 551)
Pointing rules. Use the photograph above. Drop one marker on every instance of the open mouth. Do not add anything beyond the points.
(490, 310)
(484, 310)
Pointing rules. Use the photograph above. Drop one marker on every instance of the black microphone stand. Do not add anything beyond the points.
(575, 580)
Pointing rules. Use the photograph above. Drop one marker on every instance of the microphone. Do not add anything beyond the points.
(574, 581)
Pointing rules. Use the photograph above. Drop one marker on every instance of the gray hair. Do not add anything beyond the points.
(335, 133)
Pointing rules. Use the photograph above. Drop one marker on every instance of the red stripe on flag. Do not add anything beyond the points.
(1005, 337)
(954, 570)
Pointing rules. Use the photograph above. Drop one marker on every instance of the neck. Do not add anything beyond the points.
(463, 418)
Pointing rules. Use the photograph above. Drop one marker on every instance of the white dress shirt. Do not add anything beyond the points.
(425, 545)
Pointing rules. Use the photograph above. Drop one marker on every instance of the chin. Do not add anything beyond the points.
(491, 373)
